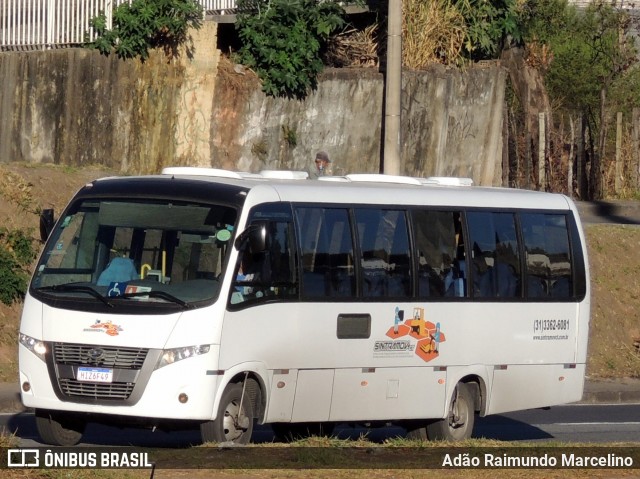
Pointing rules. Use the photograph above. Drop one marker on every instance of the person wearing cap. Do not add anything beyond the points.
(323, 165)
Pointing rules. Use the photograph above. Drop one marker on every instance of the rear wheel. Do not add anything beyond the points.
(58, 429)
(234, 421)
(287, 432)
(458, 424)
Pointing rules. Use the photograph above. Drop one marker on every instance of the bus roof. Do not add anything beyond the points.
(350, 189)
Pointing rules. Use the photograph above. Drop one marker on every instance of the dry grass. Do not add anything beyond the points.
(354, 48)
(236, 77)
(615, 312)
(433, 32)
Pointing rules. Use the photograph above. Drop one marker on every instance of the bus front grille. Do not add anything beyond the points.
(76, 389)
(125, 372)
(103, 356)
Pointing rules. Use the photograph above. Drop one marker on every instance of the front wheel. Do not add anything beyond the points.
(234, 421)
(458, 424)
(57, 429)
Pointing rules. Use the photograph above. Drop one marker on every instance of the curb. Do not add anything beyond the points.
(610, 212)
(623, 391)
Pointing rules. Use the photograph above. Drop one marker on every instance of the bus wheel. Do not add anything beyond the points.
(416, 430)
(234, 421)
(458, 424)
(58, 430)
(292, 431)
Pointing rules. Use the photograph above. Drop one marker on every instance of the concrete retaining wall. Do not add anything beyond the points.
(76, 107)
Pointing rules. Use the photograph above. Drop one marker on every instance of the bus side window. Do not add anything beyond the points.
(549, 272)
(327, 252)
(270, 274)
(441, 257)
(386, 258)
(495, 255)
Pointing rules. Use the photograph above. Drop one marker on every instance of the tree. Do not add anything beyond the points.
(589, 53)
(282, 41)
(490, 26)
(146, 24)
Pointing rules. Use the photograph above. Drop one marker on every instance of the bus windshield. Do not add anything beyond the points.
(150, 251)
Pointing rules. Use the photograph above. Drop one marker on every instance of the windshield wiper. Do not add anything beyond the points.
(158, 294)
(76, 288)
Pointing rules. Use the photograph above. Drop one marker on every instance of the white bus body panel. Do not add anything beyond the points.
(193, 376)
(324, 378)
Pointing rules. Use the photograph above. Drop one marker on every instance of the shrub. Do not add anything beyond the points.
(283, 40)
(146, 24)
(16, 254)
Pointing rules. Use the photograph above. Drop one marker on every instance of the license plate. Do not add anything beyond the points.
(95, 375)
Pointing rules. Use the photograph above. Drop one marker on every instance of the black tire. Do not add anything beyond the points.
(416, 430)
(458, 425)
(234, 421)
(293, 431)
(57, 429)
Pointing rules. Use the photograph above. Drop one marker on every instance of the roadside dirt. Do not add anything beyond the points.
(613, 256)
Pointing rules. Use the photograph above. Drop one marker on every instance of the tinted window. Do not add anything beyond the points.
(441, 256)
(327, 252)
(548, 264)
(271, 273)
(384, 246)
(495, 261)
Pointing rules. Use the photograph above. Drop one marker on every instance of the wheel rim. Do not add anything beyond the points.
(235, 422)
(459, 417)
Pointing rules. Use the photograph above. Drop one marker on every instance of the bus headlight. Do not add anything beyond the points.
(36, 347)
(170, 356)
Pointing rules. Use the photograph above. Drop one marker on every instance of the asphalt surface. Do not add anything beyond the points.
(626, 390)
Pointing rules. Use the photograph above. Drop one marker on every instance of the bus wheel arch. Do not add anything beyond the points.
(240, 404)
(473, 390)
(460, 418)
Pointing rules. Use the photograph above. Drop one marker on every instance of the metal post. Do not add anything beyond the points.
(393, 88)
(618, 180)
(542, 146)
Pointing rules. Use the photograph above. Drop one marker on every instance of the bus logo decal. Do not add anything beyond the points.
(428, 335)
(108, 327)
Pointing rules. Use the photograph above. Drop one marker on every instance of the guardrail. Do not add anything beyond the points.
(44, 24)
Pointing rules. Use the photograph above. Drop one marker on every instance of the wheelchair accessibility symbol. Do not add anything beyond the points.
(116, 289)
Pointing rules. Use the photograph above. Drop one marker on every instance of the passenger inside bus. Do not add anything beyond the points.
(119, 270)
(249, 271)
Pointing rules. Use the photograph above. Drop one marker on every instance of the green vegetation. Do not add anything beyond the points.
(282, 41)
(146, 24)
(590, 69)
(17, 250)
(586, 47)
(489, 26)
(16, 254)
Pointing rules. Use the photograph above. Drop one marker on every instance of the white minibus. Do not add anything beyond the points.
(220, 300)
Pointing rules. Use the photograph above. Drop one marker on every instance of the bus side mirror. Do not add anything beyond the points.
(46, 223)
(255, 237)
